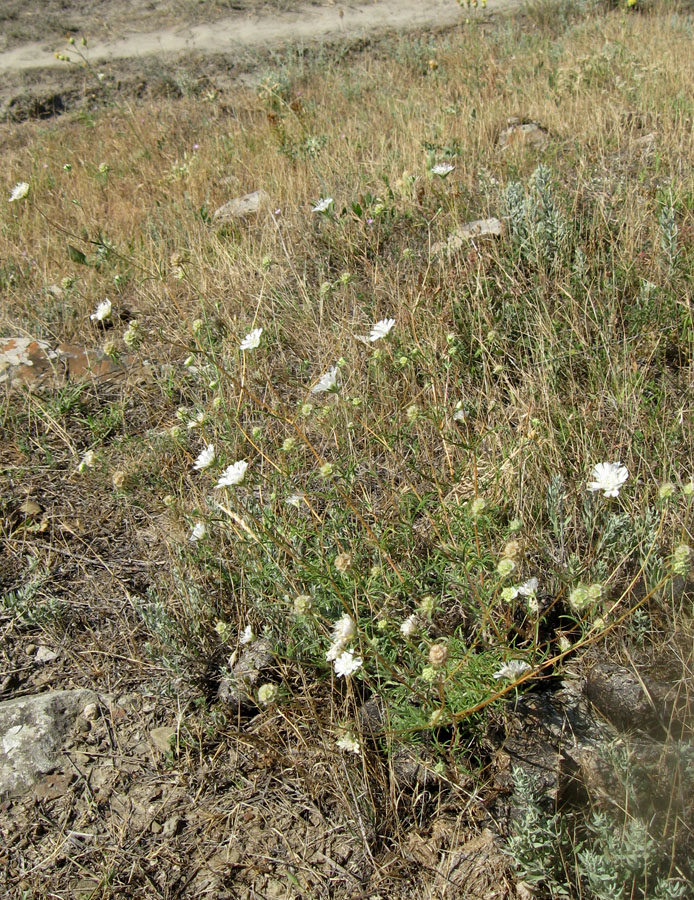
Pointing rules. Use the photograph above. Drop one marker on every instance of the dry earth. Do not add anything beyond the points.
(150, 49)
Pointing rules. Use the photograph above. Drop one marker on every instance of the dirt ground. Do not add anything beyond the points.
(52, 21)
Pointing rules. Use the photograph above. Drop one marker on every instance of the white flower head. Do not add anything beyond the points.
(103, 311)
(344, 630)
(346, 664)
(268, 693)
(348, 743)
(528, 588)
(233, 474)
(198, 532)
(442, 169)
(327, 383)
(246, 635)
(205, 458)
(409, 627)
(512, 670)
(88, 461)
(252, 339)
(19, 191)
(323, 205)
(295, 500)
(381, 329)
(609, 478)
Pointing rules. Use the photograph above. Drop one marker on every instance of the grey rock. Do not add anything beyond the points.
(253, 665)
(45, 655)
(520, 133)
(32, 733)
(240, 207)
(479, 229)
(161, 738)
(633, 701)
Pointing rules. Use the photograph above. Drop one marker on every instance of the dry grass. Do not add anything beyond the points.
(565, 350)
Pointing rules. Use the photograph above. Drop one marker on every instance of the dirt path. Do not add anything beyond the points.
(257, 29)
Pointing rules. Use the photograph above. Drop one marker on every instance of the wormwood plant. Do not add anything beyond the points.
(609, 857)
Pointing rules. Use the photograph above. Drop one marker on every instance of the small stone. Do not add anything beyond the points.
(240, 207)
(161, 738)
(155, 828)
(90, 712)
(45, 655)
(30, 508)
(30, 649)
(129, 701)
(172, 826)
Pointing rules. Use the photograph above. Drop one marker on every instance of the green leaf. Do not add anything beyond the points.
(76, 255)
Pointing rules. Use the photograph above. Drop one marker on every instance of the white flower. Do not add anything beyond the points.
(252, 339)
(103, 311)
(198, 532)
(346, 664)
(609, 477)
(459, 415)
(246, 635)
(527, 589)
(19, 191)
(88, 461)
(512, 670)
(205, 459)
(442, 169)
(381, 329)
(323, 205)
(348, 743)
(233, 474)
(409, 627)
(344, 629)
(328, 382)
(295, 500)
(268, 693)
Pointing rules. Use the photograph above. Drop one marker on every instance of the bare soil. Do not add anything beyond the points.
(175, 47)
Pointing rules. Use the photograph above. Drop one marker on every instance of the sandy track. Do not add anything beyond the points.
(308, 23)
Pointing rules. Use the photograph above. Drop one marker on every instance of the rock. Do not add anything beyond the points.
(240, 207)
(632, 701)
(30, 508)
(90, 712)
(35, 364)
(32, 732)
(252, 666)
(172, 826)
(519, 133)
(45, 655)
(480, 229)
(547, 735)
(161, 738)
